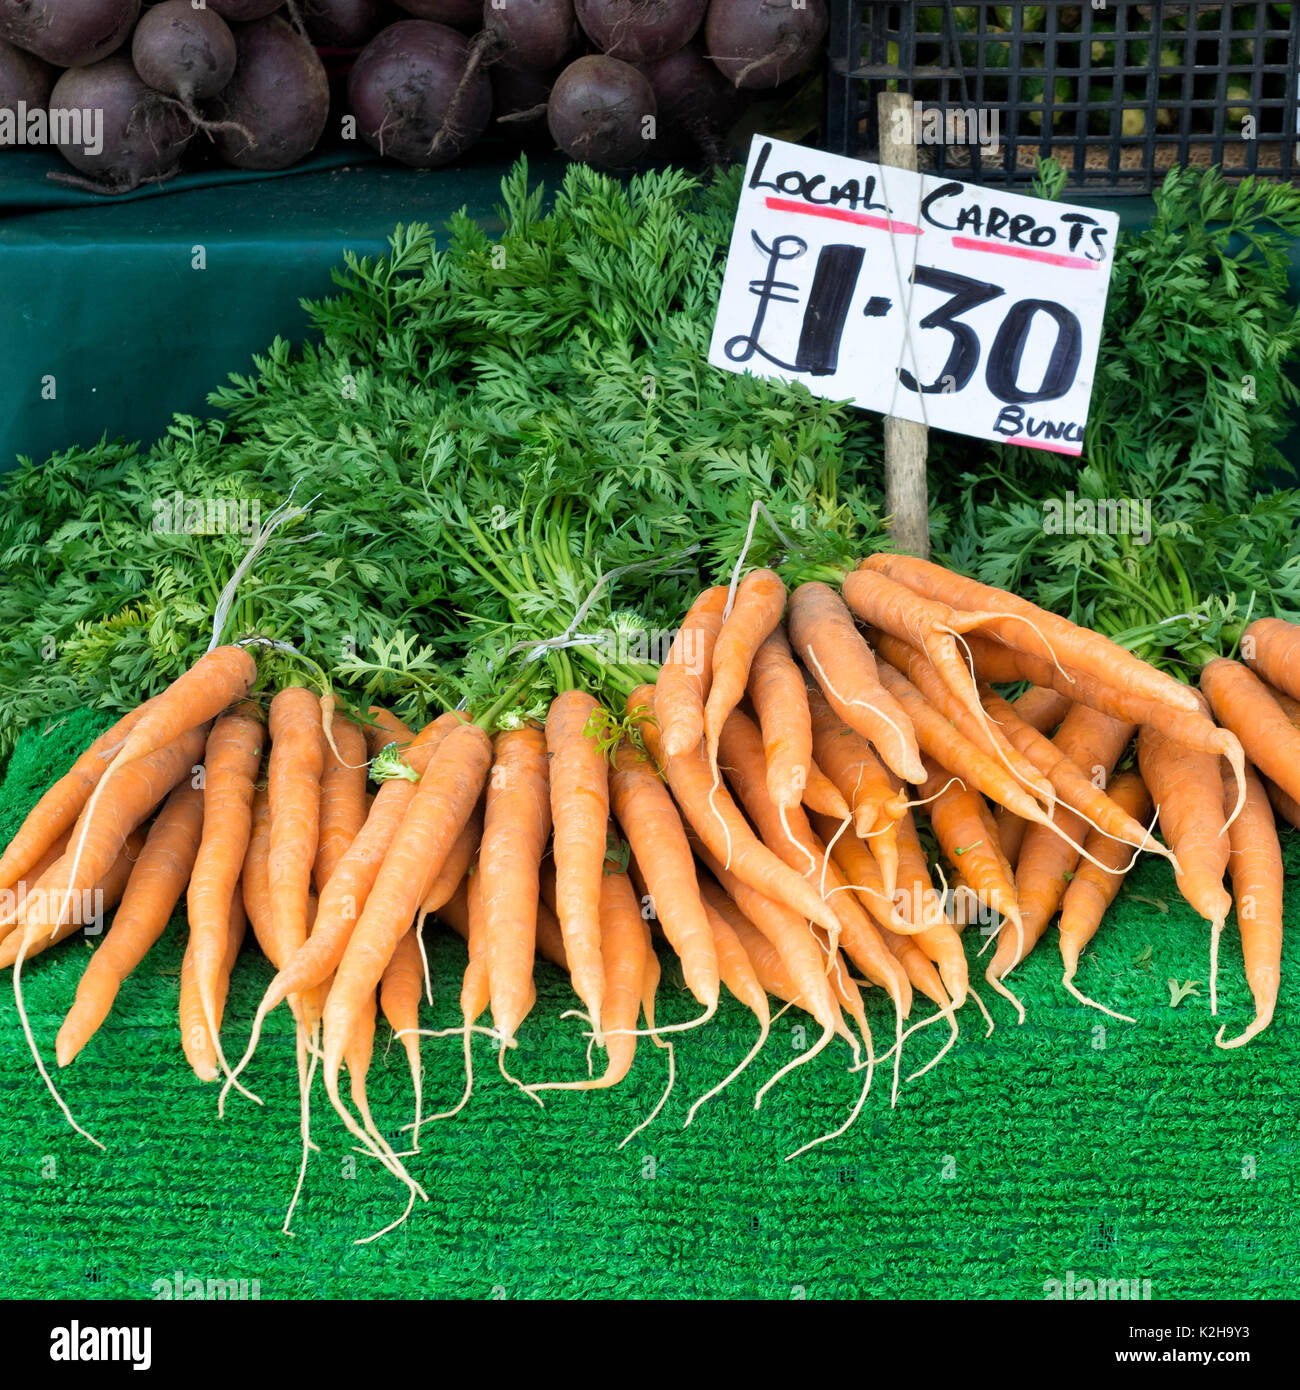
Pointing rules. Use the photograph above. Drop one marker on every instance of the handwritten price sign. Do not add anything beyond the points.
(966, 308)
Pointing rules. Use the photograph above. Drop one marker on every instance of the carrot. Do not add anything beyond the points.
(196, 1040)
(216, 680)
(720, 824)
(342, 798)
(994, 662)
(232, 762)
(755, 614)
(893, 608)
(463, 912)
(1290, 707)
(823, 796)
(1286, 806)
(134, 791)
(459, 858)
(626, 952)
(648, 818)
(952, 750)
(851, 765)
(1051, 853)
(580, 811)
(1255, 864)
(1187, 791)
(1028, 628)
(793, 839)
(780, 701)
(920, 969)
(1271, 648)
(1072, 784)
(294, 770)
(1041, 708)
(1093, 888)
(152, 892)
(739, 976)
(1241, 702)
(550, 938)
(357, 1057)
(686, 675)
(399, 997)
(980, 730)
(963, 834)
(89, 906)
(13, 899)
(515, 830)
(345, 895)
(385, 728)
(444, 800)
(54, 814)
(823, 634)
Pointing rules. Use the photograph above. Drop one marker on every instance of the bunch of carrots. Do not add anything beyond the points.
(760, 804)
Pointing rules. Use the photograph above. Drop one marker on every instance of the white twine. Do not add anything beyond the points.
(277, 519)
(905, 297)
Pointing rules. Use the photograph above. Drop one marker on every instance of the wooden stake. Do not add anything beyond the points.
(907, 498)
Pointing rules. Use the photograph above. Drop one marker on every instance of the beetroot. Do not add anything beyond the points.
(185, 52)
(761, 43)
(24, 79)
(697, 106)
(417, 96)
(68, 33)
(144, 134)
(640, 31)
(343, 23)
(530, 33)
(242, 11)
(464, 13)
(279, 95)
(601, 111)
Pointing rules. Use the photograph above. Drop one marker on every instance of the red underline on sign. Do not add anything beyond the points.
(1041, 444)
(1024, 253)
(860, 219)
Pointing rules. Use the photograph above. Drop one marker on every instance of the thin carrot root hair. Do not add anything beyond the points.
(764, 1032)
(717, 815)
(848, 1123)
(424, 957)
(980, 1005)
(1257, 1026)
(999, 988)
(380, 1149)
(306, 1075)
(513, 1080)
(653, 1032)
(789, 835)
(951, 1015)
(35, 1051)
(1067, 980)
(467, 1031)
(663, 1099)
(1216, 932)
(828, 1032)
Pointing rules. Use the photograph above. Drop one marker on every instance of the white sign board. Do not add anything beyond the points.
(965, 308)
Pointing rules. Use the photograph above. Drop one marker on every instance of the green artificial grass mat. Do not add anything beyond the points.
(1073, 1143)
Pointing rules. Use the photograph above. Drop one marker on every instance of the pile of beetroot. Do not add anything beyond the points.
(611, 80)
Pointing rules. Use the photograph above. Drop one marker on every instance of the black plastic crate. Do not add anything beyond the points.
(1119, 93)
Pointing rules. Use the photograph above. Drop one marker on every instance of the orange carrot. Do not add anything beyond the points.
(719, 823)
(823, 634)
(55, 812)
(953, 750)
(88, 908)
(823, 796)
(1092, 889)
(294, 771)
(776, 688)
(459, 859)
(399, 997)
(1041, 708)
(515, 830)
(1271, 648)
(1195, 728)
(1072, 783)
(1286, 806)
(686, 675)
(1187, 791)
(196, 1040)
(580, 811)
(342, 799)
(1029, 628)
(652, 826)
(755, 613)
(1241, 702)
(963, 835)
(231, 765)
(849, 762)
(13, 899)
(1289, 706)
(1090, 739)
(157, 881)
(385, 728)
(1255, 864)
